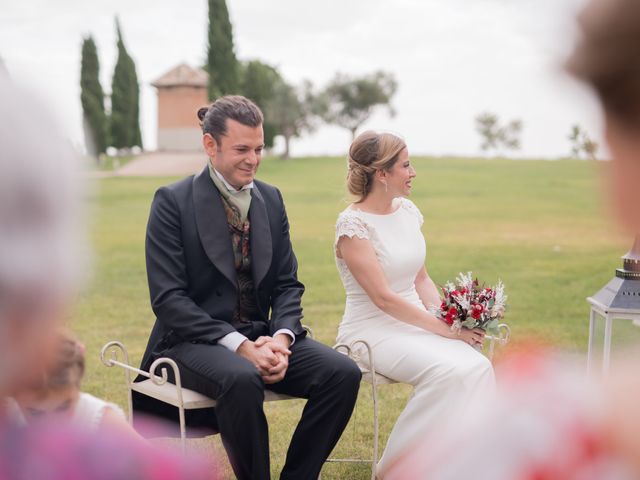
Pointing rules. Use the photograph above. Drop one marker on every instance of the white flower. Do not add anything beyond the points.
(456, 326)
(465, 280)
(500, 300)
(433, 310)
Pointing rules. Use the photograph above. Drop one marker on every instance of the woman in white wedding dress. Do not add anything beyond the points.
(380, 253)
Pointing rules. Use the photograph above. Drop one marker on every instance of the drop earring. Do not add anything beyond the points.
(385, 186)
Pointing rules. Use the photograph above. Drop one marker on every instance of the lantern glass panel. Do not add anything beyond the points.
(625, 336)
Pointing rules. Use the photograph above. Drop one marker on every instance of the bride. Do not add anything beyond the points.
(380, 253)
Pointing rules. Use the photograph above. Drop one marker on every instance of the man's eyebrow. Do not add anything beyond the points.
(242, 145)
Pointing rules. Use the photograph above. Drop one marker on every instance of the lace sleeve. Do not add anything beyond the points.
(351, 225)
(411, 207)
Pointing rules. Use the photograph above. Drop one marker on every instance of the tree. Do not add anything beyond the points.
(494, 136)
(222, 64)
(124, 121)
(92, 98)
(581, 143)
(258, 82)
(350, 101)
(290, 112)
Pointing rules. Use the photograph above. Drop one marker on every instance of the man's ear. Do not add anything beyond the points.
(210, 145)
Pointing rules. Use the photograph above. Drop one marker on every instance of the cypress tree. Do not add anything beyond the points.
(258, 83)
(222, 63)
(135, 114)
(92, 98)
(125, 125)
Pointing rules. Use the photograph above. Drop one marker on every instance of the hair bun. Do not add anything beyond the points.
(202, 112)
(369, 152)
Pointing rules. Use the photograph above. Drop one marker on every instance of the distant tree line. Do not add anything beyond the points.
(582, 145)
(497, 136)
(290, 110)
(119, 125)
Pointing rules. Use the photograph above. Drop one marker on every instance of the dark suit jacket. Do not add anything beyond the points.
(190, 266)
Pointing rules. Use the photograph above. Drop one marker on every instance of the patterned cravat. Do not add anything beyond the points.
(239, 200)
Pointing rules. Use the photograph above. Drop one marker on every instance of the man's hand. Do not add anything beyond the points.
(280, 347)
(269, 355)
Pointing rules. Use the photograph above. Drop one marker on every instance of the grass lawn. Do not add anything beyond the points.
(540, 226)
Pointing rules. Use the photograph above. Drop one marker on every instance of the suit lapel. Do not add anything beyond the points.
(261, 247)
(211, 221)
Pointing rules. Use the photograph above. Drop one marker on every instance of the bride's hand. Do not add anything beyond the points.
(472, 337)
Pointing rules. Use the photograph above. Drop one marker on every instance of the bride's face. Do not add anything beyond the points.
(400, 176)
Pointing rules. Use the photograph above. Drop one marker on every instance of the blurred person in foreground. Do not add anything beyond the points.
(57, 394)
(550, 421)
(40, 269)
(607, 59)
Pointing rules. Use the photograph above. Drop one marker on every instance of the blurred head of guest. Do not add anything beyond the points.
(607, 58)
(57, 392)
(40, 242)
(41, 266)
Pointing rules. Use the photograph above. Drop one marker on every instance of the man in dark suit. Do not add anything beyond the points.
(224, 288)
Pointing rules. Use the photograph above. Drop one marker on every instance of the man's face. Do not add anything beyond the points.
(238, 153)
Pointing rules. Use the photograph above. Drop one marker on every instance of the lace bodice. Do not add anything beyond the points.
(396, 239)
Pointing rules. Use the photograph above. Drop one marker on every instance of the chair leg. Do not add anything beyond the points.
(374, 394)
(130, 404)
(348, 349)
(374, 461)
(183, 433)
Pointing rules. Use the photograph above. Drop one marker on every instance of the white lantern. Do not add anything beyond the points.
(618, 300)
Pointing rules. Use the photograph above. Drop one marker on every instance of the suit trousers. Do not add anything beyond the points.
(327, 379)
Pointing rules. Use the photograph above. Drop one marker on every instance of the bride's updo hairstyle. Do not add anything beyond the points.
(370, 152)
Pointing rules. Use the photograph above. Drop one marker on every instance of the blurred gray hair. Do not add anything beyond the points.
(42, 253)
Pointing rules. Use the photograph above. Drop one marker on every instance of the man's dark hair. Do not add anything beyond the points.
(213, 119)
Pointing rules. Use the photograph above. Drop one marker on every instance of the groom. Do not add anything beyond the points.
(224, 288)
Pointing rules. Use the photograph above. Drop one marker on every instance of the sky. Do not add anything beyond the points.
(453, 59)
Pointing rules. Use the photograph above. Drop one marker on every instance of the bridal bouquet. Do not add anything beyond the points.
(468, 304)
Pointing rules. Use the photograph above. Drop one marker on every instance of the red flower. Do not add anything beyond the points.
(451, 315)
(443, 305)
(477, 311)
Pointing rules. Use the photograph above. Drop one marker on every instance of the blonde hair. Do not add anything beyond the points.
(370, 152)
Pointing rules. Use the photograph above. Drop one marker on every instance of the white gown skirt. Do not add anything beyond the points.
(447, 375)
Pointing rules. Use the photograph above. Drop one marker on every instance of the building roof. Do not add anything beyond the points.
(182, 75)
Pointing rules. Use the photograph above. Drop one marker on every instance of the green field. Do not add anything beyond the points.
(540, 226)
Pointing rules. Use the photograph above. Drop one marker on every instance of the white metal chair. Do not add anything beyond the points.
(374, 379)
(157, 386)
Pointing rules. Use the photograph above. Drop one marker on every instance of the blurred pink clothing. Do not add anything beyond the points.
(545, 424)
(59, 451)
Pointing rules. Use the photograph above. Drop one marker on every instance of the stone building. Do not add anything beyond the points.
(181, 92)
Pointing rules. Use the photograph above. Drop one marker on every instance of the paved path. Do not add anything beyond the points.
(163, 164)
